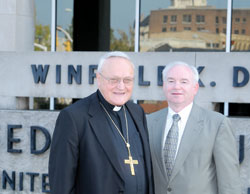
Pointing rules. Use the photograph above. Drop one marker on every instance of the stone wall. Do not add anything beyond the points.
(19, 159)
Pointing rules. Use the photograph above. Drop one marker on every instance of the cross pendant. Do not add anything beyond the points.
(131, 162)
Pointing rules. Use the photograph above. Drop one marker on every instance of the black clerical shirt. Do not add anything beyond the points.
(133, 184)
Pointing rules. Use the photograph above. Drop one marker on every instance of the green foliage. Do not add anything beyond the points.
(124, 43)
(42, 36)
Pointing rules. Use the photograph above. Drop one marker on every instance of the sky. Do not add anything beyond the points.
(65, 12)
(122, 11)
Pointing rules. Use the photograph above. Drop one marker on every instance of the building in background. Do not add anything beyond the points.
(194, 28)
(103, 25)
(165, 25)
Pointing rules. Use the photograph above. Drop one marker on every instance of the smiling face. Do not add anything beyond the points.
(115, 81)
(180, 87)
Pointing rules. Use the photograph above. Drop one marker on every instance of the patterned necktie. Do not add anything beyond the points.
(170, 146)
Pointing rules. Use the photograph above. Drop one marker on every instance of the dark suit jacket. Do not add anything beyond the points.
(83, 159)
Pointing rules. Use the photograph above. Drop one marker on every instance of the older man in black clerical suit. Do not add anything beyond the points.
(100, 143)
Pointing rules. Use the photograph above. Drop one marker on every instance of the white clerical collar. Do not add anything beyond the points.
(117, 108)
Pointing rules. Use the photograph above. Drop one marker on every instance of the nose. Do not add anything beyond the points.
(177, 85)
(121, 84)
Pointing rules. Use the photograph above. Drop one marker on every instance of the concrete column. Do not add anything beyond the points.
(16, 34)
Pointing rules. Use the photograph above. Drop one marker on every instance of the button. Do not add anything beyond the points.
(169, 189)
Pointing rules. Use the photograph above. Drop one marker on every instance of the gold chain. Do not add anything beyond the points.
(130, 160)
(119, 131)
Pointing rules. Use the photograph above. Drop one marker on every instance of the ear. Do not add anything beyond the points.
(98, 78)
(97, 75)
(196, 87)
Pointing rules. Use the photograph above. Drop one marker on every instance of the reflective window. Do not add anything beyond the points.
(200, 19)
(42, 41)
(64, 39)
(42, 25)
(173, 18)
(217, 20)
(240, 26)
(165, 19)
(187, 18)
(224, 20)
(122, 18)
(191, 26)
(173, 29)
(217, 30)
(187, 28)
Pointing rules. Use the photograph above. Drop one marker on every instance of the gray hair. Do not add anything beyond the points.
(180, 63)
(112, 54)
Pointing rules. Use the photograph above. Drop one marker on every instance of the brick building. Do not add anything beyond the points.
(202, 27)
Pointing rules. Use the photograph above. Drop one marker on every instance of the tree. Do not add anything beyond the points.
(42, 36)
(124, 43)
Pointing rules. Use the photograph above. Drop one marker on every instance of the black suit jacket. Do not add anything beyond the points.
(83, 159)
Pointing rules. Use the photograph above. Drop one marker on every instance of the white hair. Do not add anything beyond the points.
(112, 54)
(180, 63)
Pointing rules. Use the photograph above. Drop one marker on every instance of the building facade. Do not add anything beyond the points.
(201, 28)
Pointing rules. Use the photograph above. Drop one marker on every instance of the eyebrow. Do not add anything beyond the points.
(183, 79)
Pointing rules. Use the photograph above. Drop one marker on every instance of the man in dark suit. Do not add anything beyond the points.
(193, 149)
(100, 143)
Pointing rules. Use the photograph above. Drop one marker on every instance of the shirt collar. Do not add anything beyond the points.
(184, 113)
(106, 103)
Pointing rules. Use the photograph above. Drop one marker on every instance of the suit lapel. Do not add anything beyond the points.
(193, 127)
(158, 128)
(99, 123)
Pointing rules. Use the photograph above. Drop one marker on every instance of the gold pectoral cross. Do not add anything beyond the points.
(131, 162)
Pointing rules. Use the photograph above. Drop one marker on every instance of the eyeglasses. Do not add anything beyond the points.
(128, 81)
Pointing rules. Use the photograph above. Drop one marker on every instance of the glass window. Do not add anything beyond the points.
(237, 20)
(173, 29)
(122, 18)
(224, 20)
(64, 38)
(240, 25)
(164, 29)
(187, 18)
(200, 19)
(236, 31)
(173, 18)
(187, 28)
(217, 30)
(64, 41)
(200, 29)
(216, 19)
(42, 39)
(165, 19)
(191, 24)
